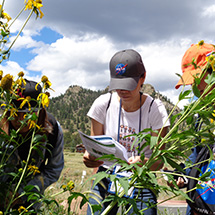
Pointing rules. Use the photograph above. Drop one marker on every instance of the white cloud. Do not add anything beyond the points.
(85, 62)
(92, 32)
(209, 11)
(74, 61)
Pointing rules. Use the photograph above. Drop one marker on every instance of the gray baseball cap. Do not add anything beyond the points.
(126, 68)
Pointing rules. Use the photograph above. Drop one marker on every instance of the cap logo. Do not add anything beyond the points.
(209, 53)
(120, 69)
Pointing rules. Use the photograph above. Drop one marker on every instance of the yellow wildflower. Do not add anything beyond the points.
(1, 213)
(44, 99)
(213, 115)
(20, 170)
(25, 100)
(6, 82)
(70, 185)
(34, 169)
(34, 4)
(200, 43)
(13, 111)
(1, 74)
(21, 74)
(22, 208)
(211, 60)
(32, 124)
(64, 186)
(46, 83)
(21, 79)
(5, 15)
(44, 79)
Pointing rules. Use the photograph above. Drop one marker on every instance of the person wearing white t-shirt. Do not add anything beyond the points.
(124, 112)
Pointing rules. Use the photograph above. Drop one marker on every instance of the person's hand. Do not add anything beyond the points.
(90, 161)
(179, 181)
(134, 159)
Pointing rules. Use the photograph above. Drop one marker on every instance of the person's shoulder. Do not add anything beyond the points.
(104, 97)
(51, 118)
(148, 99)
(154, 103)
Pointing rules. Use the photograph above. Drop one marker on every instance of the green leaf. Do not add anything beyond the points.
(13, 133)
(3, 33)
(98, 177)
(174, 117)
(196, 91)
(174, 164)
(153, 141)
(123, 181)
(184, 94)
(189, 120)
(75, 195)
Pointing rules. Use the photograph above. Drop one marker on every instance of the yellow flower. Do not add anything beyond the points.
(34, 4)
(6, 82)
(20, 170)
(1, 74)
(21, 208)
(44, 99)
(34, 169)
(46, 83)
(25, 100)
(211, 60)
(5, 15)
(64, 186)
(44, 79)
(21, 74)
(70, 185)
(200, 43)
(32, 124)
(213, 115)
(1, 213)
(13, 111)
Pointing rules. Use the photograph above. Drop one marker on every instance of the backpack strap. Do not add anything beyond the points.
(108, 105)
(150, 106)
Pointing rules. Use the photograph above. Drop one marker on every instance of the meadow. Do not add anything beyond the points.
(73, 170)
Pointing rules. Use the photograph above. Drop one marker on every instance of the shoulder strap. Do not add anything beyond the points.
(108, 105)
(150, 106)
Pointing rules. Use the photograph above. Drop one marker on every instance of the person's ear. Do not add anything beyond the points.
(142, 79)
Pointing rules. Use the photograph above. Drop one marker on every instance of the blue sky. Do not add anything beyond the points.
(74, 41)
(24, 55)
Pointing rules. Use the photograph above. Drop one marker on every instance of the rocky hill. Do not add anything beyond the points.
(71, 108)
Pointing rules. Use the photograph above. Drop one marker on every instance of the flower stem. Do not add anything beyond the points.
(26, 21)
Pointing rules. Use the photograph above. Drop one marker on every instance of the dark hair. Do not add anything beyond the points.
(209, 70)
(42, 122)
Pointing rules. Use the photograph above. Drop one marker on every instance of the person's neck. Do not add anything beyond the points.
(134, 105)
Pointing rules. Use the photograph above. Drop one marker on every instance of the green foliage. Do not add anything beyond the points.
(71, 108)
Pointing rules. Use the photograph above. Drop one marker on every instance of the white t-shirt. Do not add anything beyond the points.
(153, 115)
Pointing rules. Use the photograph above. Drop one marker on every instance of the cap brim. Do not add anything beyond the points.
(123, 83)
(188, 77)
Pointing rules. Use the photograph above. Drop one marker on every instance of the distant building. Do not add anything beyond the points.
(80, 148)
